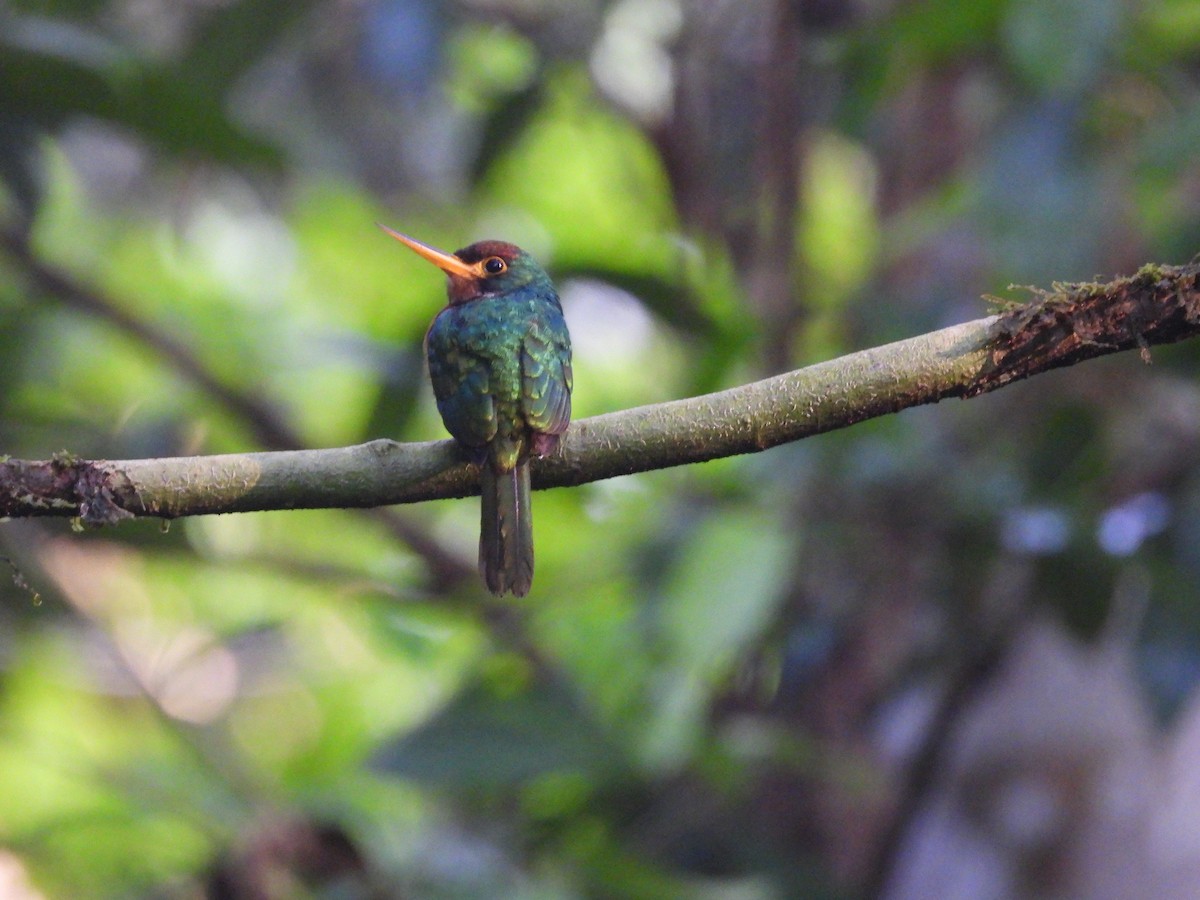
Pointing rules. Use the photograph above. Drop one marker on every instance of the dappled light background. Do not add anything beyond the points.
(949, 653)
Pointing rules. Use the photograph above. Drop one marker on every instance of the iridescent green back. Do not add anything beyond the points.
(501, 370)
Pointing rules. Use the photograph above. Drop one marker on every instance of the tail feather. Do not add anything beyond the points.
(506, 530)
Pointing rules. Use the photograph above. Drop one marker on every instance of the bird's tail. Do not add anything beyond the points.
(506, 529)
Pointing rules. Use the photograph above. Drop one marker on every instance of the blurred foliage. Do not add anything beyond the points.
(738, 680)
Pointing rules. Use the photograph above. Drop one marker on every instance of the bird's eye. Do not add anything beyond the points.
(495, 266)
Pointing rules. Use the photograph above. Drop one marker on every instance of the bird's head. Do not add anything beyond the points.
(483, 269)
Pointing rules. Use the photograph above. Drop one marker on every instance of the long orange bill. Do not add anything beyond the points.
(447, 262)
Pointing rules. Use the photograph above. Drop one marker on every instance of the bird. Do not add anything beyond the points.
(499, 359)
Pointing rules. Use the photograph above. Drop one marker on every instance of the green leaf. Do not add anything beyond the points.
(483, 740)
(722, 595)
(53, 71)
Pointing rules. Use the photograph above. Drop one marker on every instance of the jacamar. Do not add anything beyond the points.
(500, 361)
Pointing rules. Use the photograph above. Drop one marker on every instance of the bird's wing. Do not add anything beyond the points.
(462, 386)
(547, 378)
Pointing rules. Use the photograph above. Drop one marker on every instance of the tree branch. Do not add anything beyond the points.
(1067, 325)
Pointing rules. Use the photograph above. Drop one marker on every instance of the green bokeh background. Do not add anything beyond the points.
(709, 692)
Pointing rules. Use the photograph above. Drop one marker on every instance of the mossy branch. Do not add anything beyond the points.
(1067, 325)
